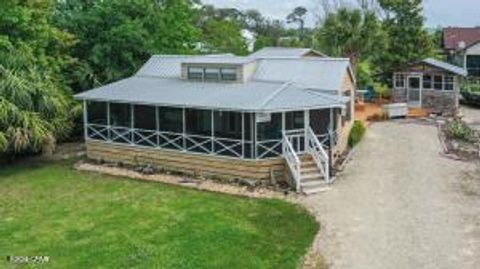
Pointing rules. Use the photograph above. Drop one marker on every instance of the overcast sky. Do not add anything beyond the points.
(437, 12)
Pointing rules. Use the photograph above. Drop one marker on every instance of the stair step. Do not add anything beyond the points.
(309, 191)
(313, 176)
(313, 184)
(309, 170)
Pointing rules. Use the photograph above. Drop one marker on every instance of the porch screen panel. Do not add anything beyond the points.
(296, 121)
(97, 120)
(228, 133)
(171, 127)
(269, 137)
(320, 123)
(145, 124)
(199, 130)
(121, 123)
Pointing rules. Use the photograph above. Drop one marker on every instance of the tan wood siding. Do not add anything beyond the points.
(193, 164)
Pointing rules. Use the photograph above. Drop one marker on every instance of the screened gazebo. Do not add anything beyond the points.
(212, 112)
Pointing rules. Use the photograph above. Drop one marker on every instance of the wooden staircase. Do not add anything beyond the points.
(313, 180)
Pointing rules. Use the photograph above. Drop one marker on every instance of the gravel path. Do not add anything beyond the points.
(471, 116)
(399, 204)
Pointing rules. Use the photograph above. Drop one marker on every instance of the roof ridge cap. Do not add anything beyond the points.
(271, 96)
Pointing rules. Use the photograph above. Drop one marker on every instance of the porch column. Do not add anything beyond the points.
(184, 130)
(212, 132)
(108, 122)
(132, 125)
(157, 125)
(243, 135)
(255, 135)
(284, 126)
(330, 140)
(306, 125)
(85, 120)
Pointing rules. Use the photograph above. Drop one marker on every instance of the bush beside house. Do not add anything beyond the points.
(356, 134)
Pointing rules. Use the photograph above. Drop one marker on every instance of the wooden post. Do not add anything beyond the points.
(85, 120)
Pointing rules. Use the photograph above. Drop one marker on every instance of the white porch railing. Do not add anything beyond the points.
(293, 161)
(320, 156)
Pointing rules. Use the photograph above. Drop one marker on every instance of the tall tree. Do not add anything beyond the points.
(115, 37)
(223, 36)
(35, 104)
(408, 40)
(298, 16)
(351, 33)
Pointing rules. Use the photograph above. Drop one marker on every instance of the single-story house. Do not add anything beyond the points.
(255, 117)
(429, 84)
(462, 47)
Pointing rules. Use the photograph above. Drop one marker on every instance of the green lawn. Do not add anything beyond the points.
(87, 220)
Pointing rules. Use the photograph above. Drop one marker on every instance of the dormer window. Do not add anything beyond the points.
(229, 74)
(195, 73)
(212, 73)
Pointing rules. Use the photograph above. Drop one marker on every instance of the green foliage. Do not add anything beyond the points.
(89, 220)
(364, 74)
(356, 134)
(224, 37)
(459, 130)
(35, 105)
(351, 33)
(469, 86)
(407, 41)
(115, 37)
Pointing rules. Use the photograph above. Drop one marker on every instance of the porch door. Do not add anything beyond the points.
(295, 129)
(414, 90)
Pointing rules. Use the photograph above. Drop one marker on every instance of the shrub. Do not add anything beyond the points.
(459, 130)
(356, 134)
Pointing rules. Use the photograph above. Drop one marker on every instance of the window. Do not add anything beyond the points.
(195, 73)
(212, 74)
(449, 83)
(438, 82)
(427, 81)
(473, 65)
(229, 74)
(399, 81)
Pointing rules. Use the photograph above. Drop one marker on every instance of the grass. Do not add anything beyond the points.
(87, 220)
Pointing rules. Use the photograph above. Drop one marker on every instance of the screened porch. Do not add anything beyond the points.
(245, 135)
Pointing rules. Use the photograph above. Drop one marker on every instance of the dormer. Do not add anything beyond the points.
(224, 70)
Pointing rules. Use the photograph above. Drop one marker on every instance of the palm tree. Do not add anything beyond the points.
(34, 111)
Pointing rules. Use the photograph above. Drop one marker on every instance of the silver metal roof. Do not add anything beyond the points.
(268, 52)
(446, 66)
(277, 84)
(251, 96)
(321, 73)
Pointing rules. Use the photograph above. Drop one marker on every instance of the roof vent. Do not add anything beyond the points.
(462, 45)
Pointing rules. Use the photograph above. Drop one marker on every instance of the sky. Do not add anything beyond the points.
(437, 12)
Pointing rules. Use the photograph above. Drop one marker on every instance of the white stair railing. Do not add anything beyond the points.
(320, 156)
(293, 161)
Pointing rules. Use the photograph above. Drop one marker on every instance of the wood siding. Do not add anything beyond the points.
(189, 163)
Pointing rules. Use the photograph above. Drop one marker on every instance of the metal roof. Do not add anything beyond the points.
(268, 52)
(279, 83)
(321, 73)
(446, 66)
(251, 96)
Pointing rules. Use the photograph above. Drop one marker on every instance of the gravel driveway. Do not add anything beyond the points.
(399, 204)
(471, 116)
